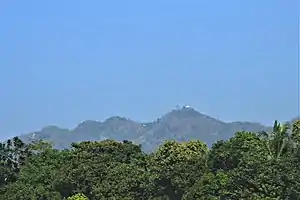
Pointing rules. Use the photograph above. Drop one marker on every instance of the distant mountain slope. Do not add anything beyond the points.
(180, 124)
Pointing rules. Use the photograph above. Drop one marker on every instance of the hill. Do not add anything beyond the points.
(180, 124)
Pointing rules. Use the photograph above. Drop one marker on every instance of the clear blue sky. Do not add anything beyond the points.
(66, 61)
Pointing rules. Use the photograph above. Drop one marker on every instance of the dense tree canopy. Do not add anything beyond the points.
(254, 166)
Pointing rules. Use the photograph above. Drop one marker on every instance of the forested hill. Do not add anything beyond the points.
(248, 166)
(182, 124)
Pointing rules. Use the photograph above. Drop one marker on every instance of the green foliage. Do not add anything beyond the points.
(176, 166)
(78, 197)
(254, 166)
(210, 186)
(244, 148)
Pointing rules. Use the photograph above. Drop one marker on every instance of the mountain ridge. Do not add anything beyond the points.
(181, 124)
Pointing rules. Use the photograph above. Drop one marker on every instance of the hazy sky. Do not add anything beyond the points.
(66, 61)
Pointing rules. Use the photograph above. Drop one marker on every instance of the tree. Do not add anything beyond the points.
(124, 181)
(177, 166)
(13, 154)
(210, 187)
(281, 139)
(251, 174)
(104, 170)
(277, 141)
(296, 132)
(250, 166)
(79, 196)
(228, 155)
(232, 164)
(37, 178)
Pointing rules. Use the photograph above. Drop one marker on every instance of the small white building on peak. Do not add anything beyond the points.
(180, 107)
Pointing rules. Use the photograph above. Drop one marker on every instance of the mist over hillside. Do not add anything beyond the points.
(181, 124)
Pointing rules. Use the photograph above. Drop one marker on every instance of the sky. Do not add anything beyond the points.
(62, 62)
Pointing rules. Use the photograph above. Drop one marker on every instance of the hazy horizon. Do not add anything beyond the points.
(68, 61)
(127, 117)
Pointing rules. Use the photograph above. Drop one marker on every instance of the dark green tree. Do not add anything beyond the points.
(175, 167)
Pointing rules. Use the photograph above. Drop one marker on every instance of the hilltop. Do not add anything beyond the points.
(181, 124)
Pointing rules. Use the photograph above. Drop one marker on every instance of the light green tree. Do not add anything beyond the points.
(78, 196)
(175, 167)
(281, 139)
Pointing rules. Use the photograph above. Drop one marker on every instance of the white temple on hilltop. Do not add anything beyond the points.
(178, 107)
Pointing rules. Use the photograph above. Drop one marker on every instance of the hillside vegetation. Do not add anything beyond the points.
(250, 165)
(182, 124)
